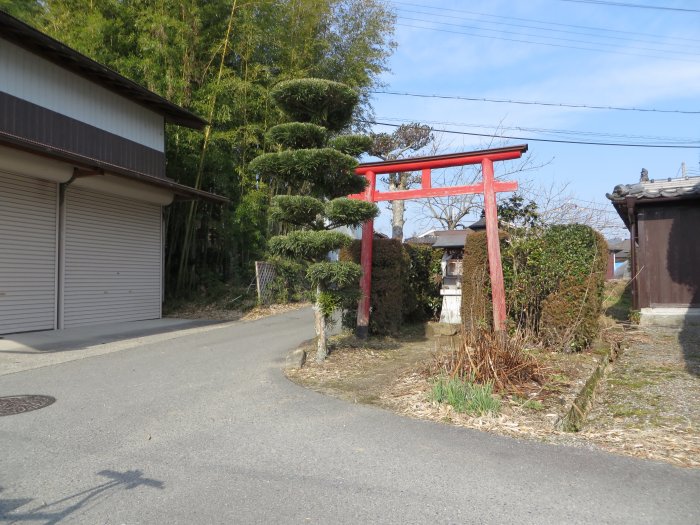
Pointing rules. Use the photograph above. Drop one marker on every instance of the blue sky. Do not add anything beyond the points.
(577, 52)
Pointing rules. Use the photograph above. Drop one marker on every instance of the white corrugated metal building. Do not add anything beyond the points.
(82, 187)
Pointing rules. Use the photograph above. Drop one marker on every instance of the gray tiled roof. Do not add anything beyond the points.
(657, 188)
(443, 238)
(648, 191)
(619, 246)
(451, 238)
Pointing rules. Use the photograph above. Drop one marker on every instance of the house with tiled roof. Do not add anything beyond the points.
(663, 217)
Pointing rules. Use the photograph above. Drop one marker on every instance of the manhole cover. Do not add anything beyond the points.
(11, 405)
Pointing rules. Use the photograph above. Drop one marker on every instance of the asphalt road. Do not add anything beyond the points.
(206, 429)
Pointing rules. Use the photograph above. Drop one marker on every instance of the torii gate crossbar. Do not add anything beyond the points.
(488, 187)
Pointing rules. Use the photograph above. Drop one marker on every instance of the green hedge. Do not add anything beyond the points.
(554, 281)
(421, 299)
(577, 260)
(387, 286)
(404, 288)
(476, 310)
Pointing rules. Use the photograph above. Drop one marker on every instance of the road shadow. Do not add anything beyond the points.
(20, 510)
(689, 339)
(53, 341)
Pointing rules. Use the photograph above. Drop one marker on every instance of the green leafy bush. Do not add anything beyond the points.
(577, 260)
(290, 283)
(554, 279)
(404, 288)
(421, 294)
(526, 277)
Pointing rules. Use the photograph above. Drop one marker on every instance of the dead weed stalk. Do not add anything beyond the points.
(484, 356)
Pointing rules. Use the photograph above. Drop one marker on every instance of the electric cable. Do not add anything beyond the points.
(556, 141)
(535, 103)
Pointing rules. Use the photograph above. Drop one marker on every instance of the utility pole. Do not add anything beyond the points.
(684, 173)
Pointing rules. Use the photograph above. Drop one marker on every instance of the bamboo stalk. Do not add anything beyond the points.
(189, 229)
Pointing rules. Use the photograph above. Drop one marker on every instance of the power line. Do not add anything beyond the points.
(554, 131)
(544, 22)
(557, 141)
(529, 26)
(534, 103)
(560, 39)
(636, 6)
(521, 41)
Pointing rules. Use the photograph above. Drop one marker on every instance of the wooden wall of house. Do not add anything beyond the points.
(668, 256)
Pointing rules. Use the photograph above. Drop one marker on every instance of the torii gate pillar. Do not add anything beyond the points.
(488, 187)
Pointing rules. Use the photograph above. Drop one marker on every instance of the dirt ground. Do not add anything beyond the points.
(647, 407)
(649, 403)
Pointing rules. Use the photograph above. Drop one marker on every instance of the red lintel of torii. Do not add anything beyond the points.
(488, 186)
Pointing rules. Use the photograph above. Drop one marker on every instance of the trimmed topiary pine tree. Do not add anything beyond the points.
(315, 165)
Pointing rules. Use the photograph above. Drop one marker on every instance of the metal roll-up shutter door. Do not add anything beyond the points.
(27, 254)
(113, 259)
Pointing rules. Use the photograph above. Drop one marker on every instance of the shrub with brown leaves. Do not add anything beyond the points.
(484, 356)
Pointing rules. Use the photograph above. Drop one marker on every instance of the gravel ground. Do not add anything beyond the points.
(648, 405)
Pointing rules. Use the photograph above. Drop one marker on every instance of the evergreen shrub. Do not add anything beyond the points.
(577, 262)
(554, 280)
(404, 285)
(313, 175)
(421, 297)
(290, 283)
(387, 286)
(476, 309)
(295, 135)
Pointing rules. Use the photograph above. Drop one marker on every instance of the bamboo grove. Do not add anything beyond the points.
(221, 59)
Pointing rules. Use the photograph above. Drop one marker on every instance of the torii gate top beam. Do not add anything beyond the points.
(488, 187)
(442, 161)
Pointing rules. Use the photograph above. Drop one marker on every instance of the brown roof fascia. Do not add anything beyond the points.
(34, 41)
(626, 207)
(181, 191)
(522, 148)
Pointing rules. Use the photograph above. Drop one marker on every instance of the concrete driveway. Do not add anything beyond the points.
(204, 428)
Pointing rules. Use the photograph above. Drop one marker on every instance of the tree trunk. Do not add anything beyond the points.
(397, 220)
(398, 181)
(320, 322)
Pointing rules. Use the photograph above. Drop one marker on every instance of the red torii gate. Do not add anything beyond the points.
(488, 186)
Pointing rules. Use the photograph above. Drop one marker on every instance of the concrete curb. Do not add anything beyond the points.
(576, 415)
(297, 356)
(295, 359)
